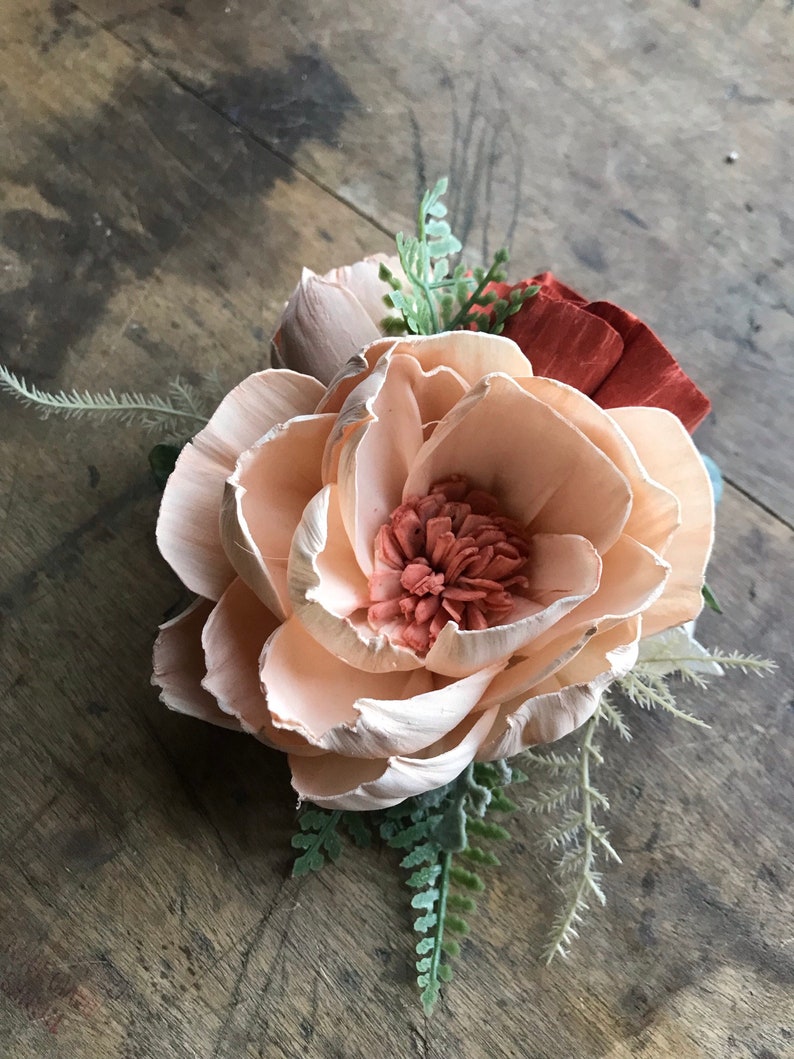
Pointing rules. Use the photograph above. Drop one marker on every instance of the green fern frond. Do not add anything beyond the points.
(317, 838)
(433, 298)
(435, 830)
(179, 415)
(650, 690)
(576, 835)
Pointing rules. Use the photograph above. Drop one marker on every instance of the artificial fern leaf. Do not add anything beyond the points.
(317, 838)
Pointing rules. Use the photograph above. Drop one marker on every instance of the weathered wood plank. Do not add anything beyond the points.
(144, 899)
(595, 139)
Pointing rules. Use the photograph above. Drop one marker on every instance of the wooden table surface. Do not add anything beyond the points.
(166, 170)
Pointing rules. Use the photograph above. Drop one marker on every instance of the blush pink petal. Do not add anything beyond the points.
(233, 637)
(188, 526)
(336, 782)
(352, 373)
(543, 470)
(265, 498)
(179, 667)
(468, 354)
(655, 511)
(563, 702)
(632, 578)
(562, 571)
(535, 663)
(374, 460)
(329, 593)
(356, 714)
(323, 324)
(433, 394)
(668, 453)
(362, 280)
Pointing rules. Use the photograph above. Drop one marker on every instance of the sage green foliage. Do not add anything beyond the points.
(710, 599)
(319, 839)
(566, 788)
(438, 831)
(181, 414)
(437, 298)
(162, 459)
(440, 834)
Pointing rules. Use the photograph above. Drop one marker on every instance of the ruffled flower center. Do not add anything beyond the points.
(447, 556)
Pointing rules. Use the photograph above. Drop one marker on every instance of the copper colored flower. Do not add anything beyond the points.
(603, 350)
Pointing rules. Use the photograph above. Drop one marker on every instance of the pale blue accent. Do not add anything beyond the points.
(715, 476)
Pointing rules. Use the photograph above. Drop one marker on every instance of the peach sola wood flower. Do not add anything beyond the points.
(439, 558)
(428, 540)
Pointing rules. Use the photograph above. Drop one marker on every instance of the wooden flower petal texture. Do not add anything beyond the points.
(179, 667)
(667, 451)
(336, 782)
(543, 470)
(647, 373)
(373, 715)
(188, 526)
(327, 587)
(563, 341)
(362, 280)
(655, 511)
(564, 701)
(264, 502)
(375, 460)
(233, 638)
(470, 354)
(323, 324)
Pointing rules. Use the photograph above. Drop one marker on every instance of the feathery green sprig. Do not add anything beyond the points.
(178, 415)
(433, 298)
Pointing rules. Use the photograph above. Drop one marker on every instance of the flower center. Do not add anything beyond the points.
(447, 556)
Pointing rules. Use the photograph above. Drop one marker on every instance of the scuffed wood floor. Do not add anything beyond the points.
(166, 170)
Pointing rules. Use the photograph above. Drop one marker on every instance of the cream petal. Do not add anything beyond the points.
(358, 714)
(471, 354)
(352, 417)
(374, 460)
(563, 571)
(632, 578)
(233, 637)
(335, 782)
(188, 526)
(327, 589)
(322, 325)
(655, 512)
(352, 373)
(362, 280)
(529, 667)
(544, 471)
(671, 458)
(179, 667)
(265, 497)
(563, 702)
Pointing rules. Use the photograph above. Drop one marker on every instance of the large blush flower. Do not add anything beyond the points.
(439, 558)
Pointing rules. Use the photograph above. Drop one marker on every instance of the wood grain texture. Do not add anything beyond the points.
(595, 141)
(167, 170)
